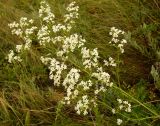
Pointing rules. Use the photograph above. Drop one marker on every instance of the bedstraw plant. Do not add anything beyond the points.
(79, 71)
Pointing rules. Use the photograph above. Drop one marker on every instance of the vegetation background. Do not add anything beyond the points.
(27, 96)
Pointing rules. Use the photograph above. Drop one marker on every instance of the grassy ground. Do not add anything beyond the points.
(27, 96)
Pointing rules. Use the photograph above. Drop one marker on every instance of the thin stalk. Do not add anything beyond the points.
(117, 69)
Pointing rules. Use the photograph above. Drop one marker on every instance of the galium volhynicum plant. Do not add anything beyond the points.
(83, 82)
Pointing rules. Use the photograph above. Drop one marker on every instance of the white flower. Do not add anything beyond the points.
(17, 32)
(71, 78)
(10, 56)
(106, 63)
(102, 76)
(72, 13)
(89, 57)
(78, 112)
(116, 40)
(123, 41)
(30, 31)
(19, 48)
(68, 102)
(128, 109)
(31, 21)
(125, 102)
(28, 43)
(119, 100)
(57, 28)
(45, 13)
(23, 22)
(119, 121)
(111, 62)
(55, 68)
(85, 112)
(111, 84)
(83, 105)
(17, 58)
(70, 44)
(75, 92)
(96, 92)
(13, 25)
(124, 105)
(121, 107)
(113, 111)
(45, 60)
(43, 35)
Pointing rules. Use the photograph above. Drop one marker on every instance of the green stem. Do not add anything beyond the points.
(117, 69)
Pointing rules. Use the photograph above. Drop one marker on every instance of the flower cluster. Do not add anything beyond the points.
(85, 84)
(82, 105)
(59, 27)
(74, 88)
(90, 57)
(24, 30)
(122, 105)
(12, 57)
(116, 41)
(102, 76)
(119, 121)
(17, 28)
(70, 44)
(55, 68)
(45, 13)
(71, 79)
(43, 35)
(82, 91)
(72, 13)
(110, 62)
